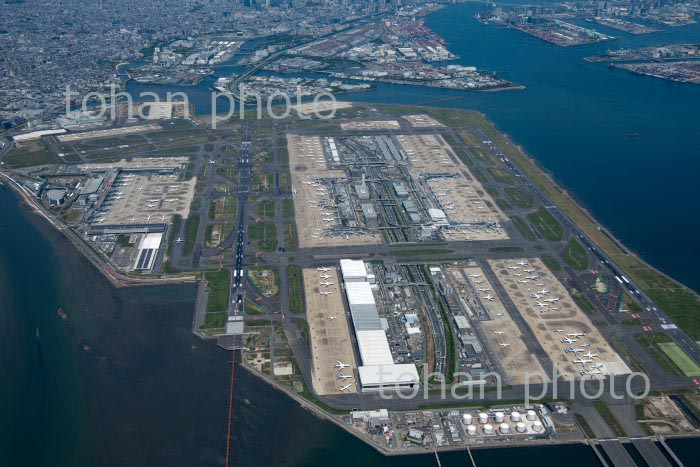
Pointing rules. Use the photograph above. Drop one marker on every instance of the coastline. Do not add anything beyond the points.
(116, 278)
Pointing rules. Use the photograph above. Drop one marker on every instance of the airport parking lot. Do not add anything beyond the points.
(552, 315)
(330, 338)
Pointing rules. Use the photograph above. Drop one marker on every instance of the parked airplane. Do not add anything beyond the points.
(552, 300)
(325, 292)
(525, 281)
(323, 269)
(529, 270)
(568, 341)
(522, 263)
(485, 290)
(598, 366)
(326, 283)
(540, 305)
(343, 377)
(591, 355)
(513, 267)
(346, 387)
(503, 344)
(340, 365)
(576, 334)
(212, 161)
(489, 297)
(498, 333)
(331, 317)
(179, 240)
(558, 330)
(544, 292)
(475, 275)
(324, 276)
(582, 361)
(499, 315)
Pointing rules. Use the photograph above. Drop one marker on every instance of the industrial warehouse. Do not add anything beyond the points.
(378, 370)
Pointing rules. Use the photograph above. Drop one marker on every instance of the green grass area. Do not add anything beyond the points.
(492, 190)
(546, 224)
(191, 229)
(288, 208)
(584, 303)
(609, 418)
(575, 255)
(223, 209)
(506, 249)
(253, 309)
(214, 320)
(501, 176)
(266, 209)
(263, 235)
(291, 239)
(219, 286)
(196, 204)
(651, 341)
(584, 426)
(523, 228)
(285, 181)
(263, 182)
(680, 358)
(519, 197)
(29, 153)
(466, 160)
(479, 175)
(551, 262)
(295, 281)
(503, 204)
(303, 328)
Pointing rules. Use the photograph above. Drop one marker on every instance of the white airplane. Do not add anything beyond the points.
(540, 305)
(163, 218)
(552, 300)
(328, 219)
(517, 274)
(179, 240)
(544, 292)
(133, 219)
(513, 267)
(522, 263)
(331, 317)
(340, 365)
(533, 278)
(346, 387)
(529, 270)
(323, 269)
(326, 283)
(503, 344)
(498, 333)
(485, 290)
(586, 345)
(591, 355)
(598, 366)
(325, 292)
(568, 341)
(212, 161)
(489, 297)
(324, 276)
(148, 219)
(474, 275)
(524, 281)
(576, 351)
(558, 330)
(499, 315)
(582, 361)
(535, 296)
(576, 334)
(343, 377)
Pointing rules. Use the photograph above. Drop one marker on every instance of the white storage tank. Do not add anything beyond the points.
(471, 430)
(500, 416)
(531, 415)
(467, 418)
(504, 428)
(537, 426)
(483, 418)
(515, 416)
(520, 427)
(488, 429)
